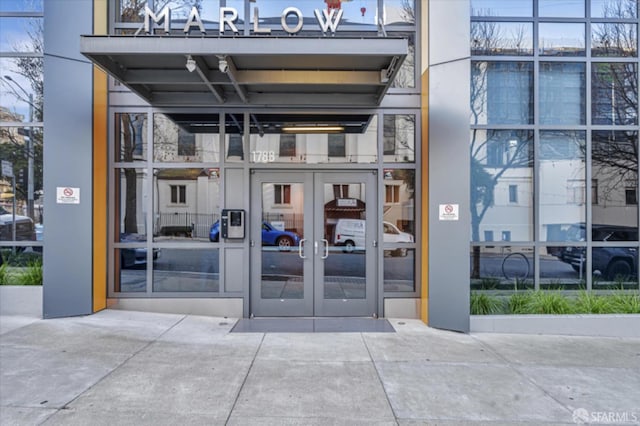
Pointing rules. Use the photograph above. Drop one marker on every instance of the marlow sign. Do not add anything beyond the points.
(327, 20)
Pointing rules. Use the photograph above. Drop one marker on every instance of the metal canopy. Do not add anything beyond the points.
(250, 71)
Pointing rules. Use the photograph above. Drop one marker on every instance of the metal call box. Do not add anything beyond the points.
(232, 223)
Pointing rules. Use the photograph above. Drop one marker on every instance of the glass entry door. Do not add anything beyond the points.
(313, 246)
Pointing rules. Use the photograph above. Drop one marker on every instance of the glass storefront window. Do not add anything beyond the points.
(275, 139)
(21, 34)
(562, 93)
(614, 40)
(405, 78)
(397, 12)
(562, 268)
(234, 137)
(22, 148)
(615, 171)
(21, 6)
(563, 186)
(400, 271)
(399, 205)
(130, 136)
(131, 275)
(186, 203)
(627, 9)
(616, 267)
(561, 9)
(131, 196)
(502, 8)
(502, 185)
(561, 39)
(399, 138)
(614, 93)
(21, 97)
(501, 38)
(501, 269)
(174, 143)
(501, 92)
(130, 10)
(187, 270)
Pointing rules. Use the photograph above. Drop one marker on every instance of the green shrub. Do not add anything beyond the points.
(519, 302)
(589, 303)
(4, 274)
(31, 275)
(483, 304)
(548, 302)
(489, 283)
(625, 303)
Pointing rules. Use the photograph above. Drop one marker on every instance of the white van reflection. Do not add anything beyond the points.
(350, 233)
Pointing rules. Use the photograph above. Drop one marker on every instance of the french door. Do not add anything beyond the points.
(313, 247)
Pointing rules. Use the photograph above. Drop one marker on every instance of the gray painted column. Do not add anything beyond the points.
(449, 163)
(68, 143)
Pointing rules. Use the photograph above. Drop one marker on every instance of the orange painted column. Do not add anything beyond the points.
(424, 100)
(100, 171)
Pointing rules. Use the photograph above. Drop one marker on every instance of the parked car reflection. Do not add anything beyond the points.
(610, 262)
(271, 236)
(137, 256)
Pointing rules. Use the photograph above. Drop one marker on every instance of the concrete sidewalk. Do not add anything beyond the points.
(132, 368)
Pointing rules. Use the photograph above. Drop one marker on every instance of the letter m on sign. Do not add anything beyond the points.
(150, 16)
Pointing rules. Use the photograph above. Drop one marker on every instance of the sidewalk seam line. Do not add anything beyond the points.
(375, 367)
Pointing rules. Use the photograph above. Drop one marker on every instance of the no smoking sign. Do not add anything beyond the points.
(67, 195)
(449, 212)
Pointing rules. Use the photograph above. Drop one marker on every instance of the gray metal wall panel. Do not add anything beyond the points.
(449, 183)
(67, 160)
(449, 24)
(449, 163)
(235, 265)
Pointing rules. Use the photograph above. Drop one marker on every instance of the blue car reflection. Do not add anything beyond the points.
(270, 236)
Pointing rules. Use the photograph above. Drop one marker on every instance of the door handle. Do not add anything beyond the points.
(326, 248)
(315, 247)
(300, 247)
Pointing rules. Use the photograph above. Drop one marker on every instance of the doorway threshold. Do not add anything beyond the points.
(312, 325)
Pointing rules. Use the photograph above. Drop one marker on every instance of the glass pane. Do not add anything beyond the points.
(398, 12)
(282, 233)
(186, 204)
(21, 6)
(501, 269)
(562, 93)
(21, 89)
(502, 185)
(501, 38)
(405, 78)
(561, 39)
(400, 272)
(21, 34)
(614, 39)
(130, 10)
(399, 135)
(614, 93)
(131, 136)
(562, 182)
(501, 8)
(185, 270)
(22, 265)
(234, 137)
(22, 148)
(271, 133)
(561, 9)
(615, 175)
(616, 267)
(345, 235)
(626, 9)
(131, 269)
(130, 190)
(399, 207)
(185, 143)
(502, 92)
(562, 268)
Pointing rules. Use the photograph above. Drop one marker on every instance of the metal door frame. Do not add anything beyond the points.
(313, 304)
